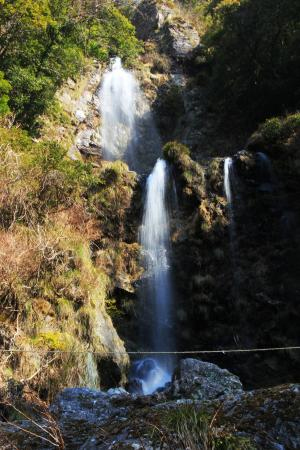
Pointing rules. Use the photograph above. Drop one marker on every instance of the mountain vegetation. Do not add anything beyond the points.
(220, 79)
(44, 43)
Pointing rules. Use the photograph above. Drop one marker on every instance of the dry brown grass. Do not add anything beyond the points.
(79, 220)
(19, 256)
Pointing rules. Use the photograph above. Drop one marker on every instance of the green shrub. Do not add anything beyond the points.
(278, 129)
(272, 129)
(5, 88)
(38, 176)
(44, 43)
(174, 150)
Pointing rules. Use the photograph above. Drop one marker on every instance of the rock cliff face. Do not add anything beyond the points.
(79, 120)
(233, 289)
(233, 286)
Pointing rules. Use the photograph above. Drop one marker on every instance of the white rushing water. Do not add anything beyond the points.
(128, 132)
(119, 93)
(156, 289)
(227, 180)
(155, 228)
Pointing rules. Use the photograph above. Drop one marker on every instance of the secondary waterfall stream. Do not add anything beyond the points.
(227, 181)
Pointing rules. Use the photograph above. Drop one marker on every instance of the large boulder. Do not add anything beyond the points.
(201, 380)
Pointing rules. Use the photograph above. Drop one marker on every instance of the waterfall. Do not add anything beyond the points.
(129, 133)
(227, 180)
(155, 242)
(156, 290)
(118, 97)
(127, 129)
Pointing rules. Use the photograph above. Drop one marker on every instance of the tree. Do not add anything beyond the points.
(5, 88)
(17, 16)
(255, 51)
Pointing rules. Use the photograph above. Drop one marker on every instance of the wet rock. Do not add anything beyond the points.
(81, 411)
(113, 392)
(135, 386)
(90, 419)
(204, 381)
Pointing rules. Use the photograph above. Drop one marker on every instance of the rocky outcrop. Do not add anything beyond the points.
(200, 380)
(180, 39)
(163, 23)
(85, 418)
(76, 120)
(149, 17)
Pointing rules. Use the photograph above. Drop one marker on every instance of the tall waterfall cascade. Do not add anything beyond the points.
(156, 288)
(129, 133)
(127, 130)
(155, 235)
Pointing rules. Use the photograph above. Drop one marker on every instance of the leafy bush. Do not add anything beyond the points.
(38, 176)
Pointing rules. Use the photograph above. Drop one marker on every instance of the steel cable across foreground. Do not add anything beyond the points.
(186, 352)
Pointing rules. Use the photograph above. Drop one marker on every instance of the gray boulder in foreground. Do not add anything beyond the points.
(202, 380)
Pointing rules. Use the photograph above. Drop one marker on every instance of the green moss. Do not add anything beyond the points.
(271, 130)
(53, 340)
(112, 309)
(64, 308)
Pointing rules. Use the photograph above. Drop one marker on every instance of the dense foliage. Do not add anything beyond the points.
(43, 43)
(254, 46)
